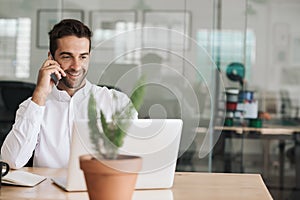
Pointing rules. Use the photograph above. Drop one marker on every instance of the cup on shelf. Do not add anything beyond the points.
(232, 95)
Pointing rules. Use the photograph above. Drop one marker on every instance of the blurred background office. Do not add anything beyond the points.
(192, 52)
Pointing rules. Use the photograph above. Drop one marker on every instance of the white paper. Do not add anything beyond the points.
(22, 178)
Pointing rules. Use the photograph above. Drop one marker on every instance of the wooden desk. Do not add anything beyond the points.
(190, 186)
(270, 130)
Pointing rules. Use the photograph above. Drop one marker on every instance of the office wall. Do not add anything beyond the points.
(275, 63)
(29, 8)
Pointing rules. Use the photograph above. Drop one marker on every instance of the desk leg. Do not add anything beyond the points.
(296, 192)
(281, 161)
(266, 148)
(297, 160)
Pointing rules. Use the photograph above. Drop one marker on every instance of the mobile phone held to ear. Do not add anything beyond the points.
(54, 78)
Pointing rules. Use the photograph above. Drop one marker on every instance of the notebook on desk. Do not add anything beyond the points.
(155, 140)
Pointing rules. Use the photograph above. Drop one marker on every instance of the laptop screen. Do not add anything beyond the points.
(155, 140)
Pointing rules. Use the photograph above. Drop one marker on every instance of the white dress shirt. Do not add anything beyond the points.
(47, 130)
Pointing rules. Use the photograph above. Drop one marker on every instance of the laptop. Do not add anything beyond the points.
(155, 140)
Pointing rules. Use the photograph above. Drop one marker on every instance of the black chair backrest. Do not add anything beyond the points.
(15, 92)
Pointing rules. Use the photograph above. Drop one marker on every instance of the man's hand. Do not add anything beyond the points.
(45, 83)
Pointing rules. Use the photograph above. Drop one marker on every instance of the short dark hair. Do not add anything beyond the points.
(68, 27)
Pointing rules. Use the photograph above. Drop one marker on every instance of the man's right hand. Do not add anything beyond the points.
(45, 83)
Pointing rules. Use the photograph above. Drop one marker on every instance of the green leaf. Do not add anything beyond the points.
(103, 123)
(92, 115)
(137, 96)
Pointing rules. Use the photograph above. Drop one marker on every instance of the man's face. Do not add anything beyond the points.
(73, 56)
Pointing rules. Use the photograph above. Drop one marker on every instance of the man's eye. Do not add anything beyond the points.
(66, 58)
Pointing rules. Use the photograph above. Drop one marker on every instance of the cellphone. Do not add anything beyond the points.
(54, 78)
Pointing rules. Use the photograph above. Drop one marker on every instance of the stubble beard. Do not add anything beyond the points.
(74, 84)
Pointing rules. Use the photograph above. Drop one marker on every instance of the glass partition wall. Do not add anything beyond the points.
(193, 52)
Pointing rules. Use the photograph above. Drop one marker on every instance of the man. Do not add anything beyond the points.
(44, 122)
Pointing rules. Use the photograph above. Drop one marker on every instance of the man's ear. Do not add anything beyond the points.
(50, 55)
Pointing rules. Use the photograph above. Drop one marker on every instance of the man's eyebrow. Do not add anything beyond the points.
(69, 53)
(64, 52)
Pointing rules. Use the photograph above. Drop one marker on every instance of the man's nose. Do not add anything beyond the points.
(76, 64)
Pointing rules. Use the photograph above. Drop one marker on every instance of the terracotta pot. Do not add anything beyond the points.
(110, 179)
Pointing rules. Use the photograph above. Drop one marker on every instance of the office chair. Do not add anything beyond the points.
(12, 93)
(288, 109)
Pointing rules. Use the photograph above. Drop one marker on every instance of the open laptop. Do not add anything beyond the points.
(155, 140)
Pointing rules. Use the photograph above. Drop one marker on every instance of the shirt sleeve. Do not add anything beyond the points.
(22, 139)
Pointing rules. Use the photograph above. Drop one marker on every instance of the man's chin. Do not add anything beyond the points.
(72, 84)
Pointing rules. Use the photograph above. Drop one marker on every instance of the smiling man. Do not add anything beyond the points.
(44, 122)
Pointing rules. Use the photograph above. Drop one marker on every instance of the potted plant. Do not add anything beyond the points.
(108, 175)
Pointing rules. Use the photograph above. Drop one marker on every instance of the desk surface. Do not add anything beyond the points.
(267, 130)
(190, 186)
